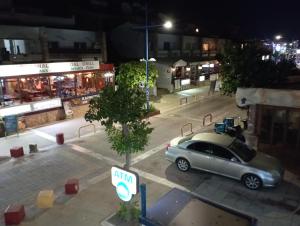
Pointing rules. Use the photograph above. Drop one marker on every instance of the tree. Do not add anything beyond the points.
(244, 67)
(133, 74)
(122, 111)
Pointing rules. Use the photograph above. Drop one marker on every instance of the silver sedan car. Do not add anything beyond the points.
(227, 156)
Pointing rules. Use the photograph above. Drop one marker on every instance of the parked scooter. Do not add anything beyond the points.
(228, 127)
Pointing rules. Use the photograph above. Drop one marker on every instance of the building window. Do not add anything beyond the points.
(205, 46)
(166, 45)
(15, 46)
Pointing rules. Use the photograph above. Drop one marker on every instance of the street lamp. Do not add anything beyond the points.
(278, 37)
(167, 25)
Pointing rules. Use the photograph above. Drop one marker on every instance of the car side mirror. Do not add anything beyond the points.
(233, 159)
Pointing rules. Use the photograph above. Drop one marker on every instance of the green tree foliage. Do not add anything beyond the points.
(122, 111)
(133, 73)
(244, 67)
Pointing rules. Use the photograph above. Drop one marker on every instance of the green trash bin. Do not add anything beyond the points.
(2, 129)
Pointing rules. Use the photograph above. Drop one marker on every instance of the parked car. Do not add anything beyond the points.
(226, 156)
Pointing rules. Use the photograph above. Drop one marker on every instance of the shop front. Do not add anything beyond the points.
(40, 91)
(182, 75)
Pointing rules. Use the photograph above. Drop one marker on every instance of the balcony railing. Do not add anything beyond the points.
(74, 50)
(175, 53)
(162, 53)
(185, 53)
(196, 53)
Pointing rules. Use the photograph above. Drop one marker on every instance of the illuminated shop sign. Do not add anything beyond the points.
(43, 68)
(126, 183)
(185, 82)
(201, 78)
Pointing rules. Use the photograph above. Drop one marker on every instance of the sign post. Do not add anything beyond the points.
(125, 181)
(143, 200)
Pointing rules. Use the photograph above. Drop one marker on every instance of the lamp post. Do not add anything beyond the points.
(167, 25)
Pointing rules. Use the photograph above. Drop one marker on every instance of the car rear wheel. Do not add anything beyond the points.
(183, 164)
(252, 181)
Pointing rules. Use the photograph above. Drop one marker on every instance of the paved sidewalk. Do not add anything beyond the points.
(44, 136)
(167, 102)
(40, 135)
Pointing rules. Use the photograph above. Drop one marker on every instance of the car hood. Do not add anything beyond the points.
(265, 162)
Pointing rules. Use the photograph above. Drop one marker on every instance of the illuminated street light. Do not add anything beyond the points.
(278, 37)
(197, 30)
(168, 24)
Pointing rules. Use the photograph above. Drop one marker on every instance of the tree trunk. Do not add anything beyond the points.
(128, 154)
(128, 161)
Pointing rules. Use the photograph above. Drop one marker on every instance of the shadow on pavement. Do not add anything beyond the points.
(279, 202)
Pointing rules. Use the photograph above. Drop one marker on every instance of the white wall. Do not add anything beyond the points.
(66, 37)
(164, 76)
(174, 41)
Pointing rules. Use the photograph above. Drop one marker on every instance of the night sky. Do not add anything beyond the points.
(250, 18)
(244, 18)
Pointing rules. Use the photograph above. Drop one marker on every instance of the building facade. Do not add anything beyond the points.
(183, 60)
(21, 44)
(274, 117)
(47, 74)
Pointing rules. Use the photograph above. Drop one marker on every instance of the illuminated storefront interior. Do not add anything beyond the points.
(29, 83)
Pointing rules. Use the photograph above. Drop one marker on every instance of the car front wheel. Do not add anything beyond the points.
(252, 181)
(183, 164)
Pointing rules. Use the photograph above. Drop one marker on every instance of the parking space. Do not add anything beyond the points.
(270, 206)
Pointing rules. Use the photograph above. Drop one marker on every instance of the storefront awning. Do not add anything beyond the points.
(180, 63)
(106, 67)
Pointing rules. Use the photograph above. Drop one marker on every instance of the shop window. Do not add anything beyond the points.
(167, 46)
(66, 86)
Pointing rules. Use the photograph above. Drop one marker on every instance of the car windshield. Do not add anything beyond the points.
(242, 150)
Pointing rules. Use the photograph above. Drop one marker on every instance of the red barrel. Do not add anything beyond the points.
(60, 138)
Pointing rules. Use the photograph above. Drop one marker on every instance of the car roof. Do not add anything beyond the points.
(218, 139)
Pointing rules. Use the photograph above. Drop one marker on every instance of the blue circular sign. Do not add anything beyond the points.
(123, 191)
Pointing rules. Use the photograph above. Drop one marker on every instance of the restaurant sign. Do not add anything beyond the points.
(44, 68)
